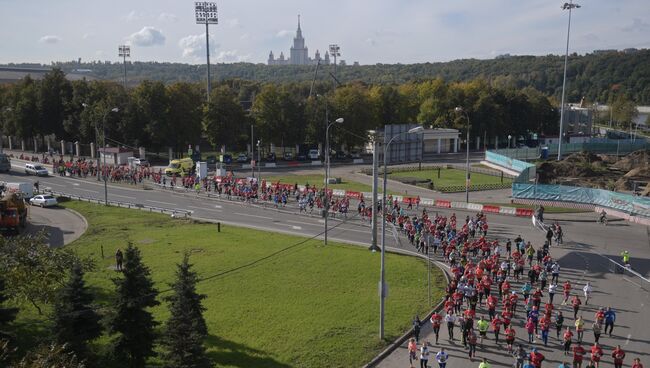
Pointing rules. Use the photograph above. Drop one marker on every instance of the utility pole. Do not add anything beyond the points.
(374, 204)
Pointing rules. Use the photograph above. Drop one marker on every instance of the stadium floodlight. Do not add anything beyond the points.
(206, 13)
(335, 51)
(124, 51)
(567, 6)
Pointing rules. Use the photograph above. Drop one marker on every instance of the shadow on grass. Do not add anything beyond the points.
(234, 354)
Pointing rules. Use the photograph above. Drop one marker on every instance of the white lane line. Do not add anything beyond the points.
(204, 209)
(296, 227)
(256, 216)
(302, 223)
(56, 185)
(88, 190)
(628, 280)
(75, 184)
(123, 196)
(217, 206)
(151, 200)
(628, 339)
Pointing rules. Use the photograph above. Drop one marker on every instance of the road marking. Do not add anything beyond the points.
(171, 204)
(628, 280)
(204, 209)
(75, 184)
(123, 196)
(56, 185)
(301, 222)
(217, 206)
(628, 339)
(296, 227)
(245, 214)
(88, 190)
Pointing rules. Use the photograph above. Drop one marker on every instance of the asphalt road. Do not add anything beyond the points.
(60, 225)
(584, 257)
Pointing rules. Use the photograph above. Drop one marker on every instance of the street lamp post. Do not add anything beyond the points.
(206, 13)
(7, 109)
(467, 173)
(327, 165)
(509, 138)
(382, 280)
(115, 109)
(567, 6)
(259, 177)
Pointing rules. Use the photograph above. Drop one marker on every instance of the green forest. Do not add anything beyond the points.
(598, 76)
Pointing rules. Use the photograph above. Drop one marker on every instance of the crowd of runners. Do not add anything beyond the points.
(506, 294)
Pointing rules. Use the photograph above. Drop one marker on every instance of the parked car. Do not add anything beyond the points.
(43, 200)
(135, 162)
(270, 157)
(36, 169)
(355, 155)
(242, 158)
(288, 156)
(301, 157)
(313, 154)
(227, 159)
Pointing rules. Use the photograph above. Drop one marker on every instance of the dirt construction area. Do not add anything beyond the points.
(630, 173)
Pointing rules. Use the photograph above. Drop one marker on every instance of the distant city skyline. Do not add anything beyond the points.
(389, 31)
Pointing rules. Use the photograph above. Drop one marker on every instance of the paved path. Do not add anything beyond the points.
(61, 226)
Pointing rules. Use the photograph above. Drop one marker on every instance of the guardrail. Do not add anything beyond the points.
(174, 212)
(473, 169)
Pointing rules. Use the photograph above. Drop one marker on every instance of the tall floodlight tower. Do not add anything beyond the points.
(335, 51)
(567, 6)
(206, 13)
(124, 51)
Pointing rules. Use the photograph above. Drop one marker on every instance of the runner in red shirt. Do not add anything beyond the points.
(510, 337)
(567, 340)
(618, 354)
(637, 363)
(596, 354)
(496, 327)
(567, 291)
(576, 306)
(436, 319)
(578, 354)
(536, 358)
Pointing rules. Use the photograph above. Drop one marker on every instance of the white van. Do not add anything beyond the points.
(36, 169)
(313, 154)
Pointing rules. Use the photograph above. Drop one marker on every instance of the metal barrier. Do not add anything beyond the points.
(174, 212)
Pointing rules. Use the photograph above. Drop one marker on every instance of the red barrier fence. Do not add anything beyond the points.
(491, 209)
(442, 203)
(355, 195)
(524, 212)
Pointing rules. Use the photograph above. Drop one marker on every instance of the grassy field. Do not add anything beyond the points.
(450, 177)
(547, 209)
(308, 306)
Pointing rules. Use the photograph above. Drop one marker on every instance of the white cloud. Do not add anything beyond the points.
(167, 17)
(147, 36)
(283, 33)
(51, 39)
(88, 35)
(638, 25)
(230, 56)
(232, 23)
(132, 16)
(245, 36)
(371, 41)
(193, 46)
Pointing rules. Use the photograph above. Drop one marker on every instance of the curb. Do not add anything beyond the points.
(83, 219)
(400, 340)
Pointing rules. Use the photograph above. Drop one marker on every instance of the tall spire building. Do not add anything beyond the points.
(298, 54)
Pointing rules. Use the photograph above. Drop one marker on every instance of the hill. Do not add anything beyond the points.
(596, 76)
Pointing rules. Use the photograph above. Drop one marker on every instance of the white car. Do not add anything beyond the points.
(35, 169)
(313, 154)
(43, 200)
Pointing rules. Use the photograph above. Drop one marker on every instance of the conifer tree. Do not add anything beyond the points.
(132, 323)
(186, 328)
(7, 315)
(75, 321)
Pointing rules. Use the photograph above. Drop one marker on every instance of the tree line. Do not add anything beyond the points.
(156, 116)
(77, 320)
(594, 76)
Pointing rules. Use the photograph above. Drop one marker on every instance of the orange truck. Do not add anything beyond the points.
(13, 213)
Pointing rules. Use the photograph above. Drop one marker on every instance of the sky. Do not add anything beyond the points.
(368, 31)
